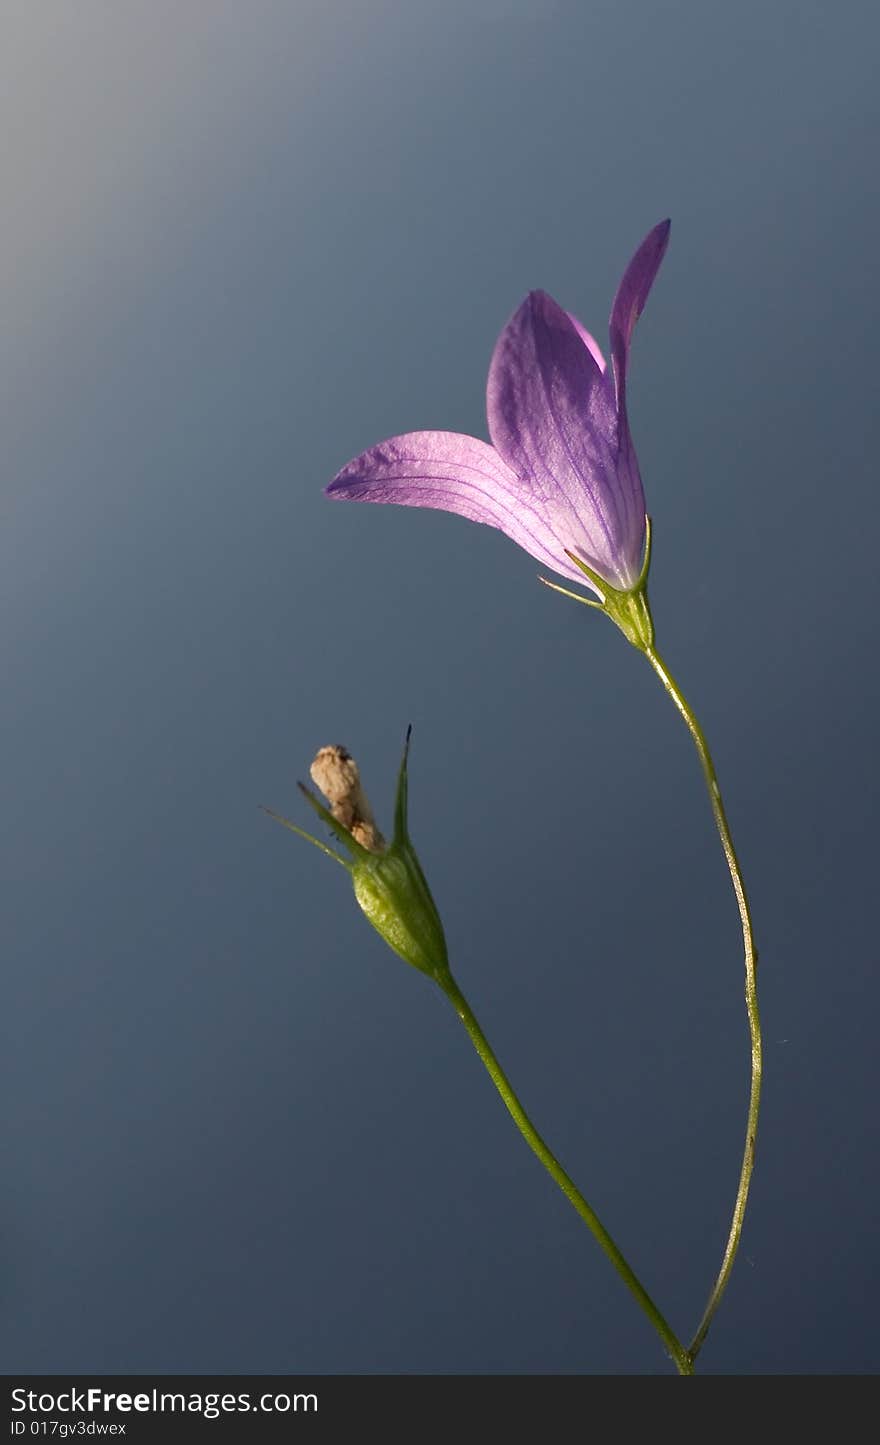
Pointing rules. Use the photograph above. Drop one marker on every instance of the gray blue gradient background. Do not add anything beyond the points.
(240, 243)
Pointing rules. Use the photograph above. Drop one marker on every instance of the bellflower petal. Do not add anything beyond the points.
(589, 341)
(453, 473)
(561, 475)
(629, 303)
(553, 419)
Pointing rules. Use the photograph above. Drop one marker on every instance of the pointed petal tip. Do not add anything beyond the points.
(659, 232)
(654, 244)
(542, 303)
(537, 303)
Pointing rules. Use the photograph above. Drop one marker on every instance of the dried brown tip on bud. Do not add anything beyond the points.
(335, 772)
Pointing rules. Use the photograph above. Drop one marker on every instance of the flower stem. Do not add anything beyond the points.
(682, 1358)
(751, 994)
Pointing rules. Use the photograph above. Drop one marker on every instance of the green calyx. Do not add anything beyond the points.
(389, 886)
(394, 896)
(628, 609)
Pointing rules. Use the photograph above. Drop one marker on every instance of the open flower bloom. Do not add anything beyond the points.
(561, 474)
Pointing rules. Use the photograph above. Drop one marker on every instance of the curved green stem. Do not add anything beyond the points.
(751, 992)
(683, 1359)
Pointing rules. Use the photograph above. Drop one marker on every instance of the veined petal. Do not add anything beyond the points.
(553, 419)
(455, 473)
(629, 303)
(632, 293)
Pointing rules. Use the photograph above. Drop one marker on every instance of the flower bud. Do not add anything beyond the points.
(389, 884)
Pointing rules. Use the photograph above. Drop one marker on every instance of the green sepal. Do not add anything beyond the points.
(401, 800)
(628, 608)
(342, 833)
(394, 895)
(301, 833)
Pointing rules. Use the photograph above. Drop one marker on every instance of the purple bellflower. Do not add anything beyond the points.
(561, 477)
